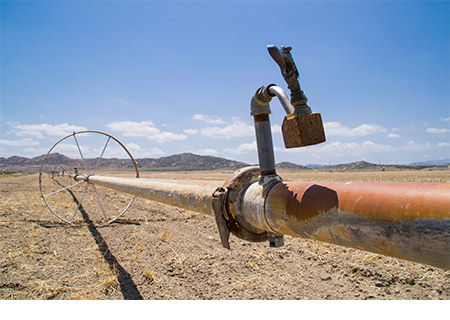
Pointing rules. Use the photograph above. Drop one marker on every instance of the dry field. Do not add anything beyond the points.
(156, 251)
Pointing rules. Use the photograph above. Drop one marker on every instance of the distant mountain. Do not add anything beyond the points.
(353, 166)
(190, 162)
(290, 165)
(314, 166)
(431, 163)
(178, 162)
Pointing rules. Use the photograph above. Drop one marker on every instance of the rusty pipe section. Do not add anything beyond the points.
(188, 194)
(404, 220)
(410, 221)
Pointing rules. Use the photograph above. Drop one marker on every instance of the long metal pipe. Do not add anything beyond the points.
(404, 220)
(192, 195)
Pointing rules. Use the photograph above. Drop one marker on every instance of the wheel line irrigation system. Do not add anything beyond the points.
(410, 221)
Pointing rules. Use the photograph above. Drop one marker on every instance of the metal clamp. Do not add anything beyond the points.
(225, 218)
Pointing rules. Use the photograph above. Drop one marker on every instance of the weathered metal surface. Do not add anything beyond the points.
(226, 216)
(301, 131)
(264, 143)
(191, 195)
(403, 220)
(289, 72)
(219, 199)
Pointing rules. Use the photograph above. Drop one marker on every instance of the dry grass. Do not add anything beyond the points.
(175, 254)
(166, 235)
(149, 275)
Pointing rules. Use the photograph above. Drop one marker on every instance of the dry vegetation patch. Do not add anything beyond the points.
(157, 251)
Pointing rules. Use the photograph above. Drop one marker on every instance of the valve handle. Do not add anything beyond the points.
(277, 55)
(289, 72)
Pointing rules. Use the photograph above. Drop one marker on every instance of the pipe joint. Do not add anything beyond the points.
(260, 102)
(234, 215)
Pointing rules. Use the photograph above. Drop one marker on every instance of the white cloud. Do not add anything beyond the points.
(415, 146)
(276, 128)
(337, 129)
(235, 129)
(44, 129)
(443, 144)
(446, 119)
(133, 129)
(144, 129)
(243, 148)
(206, 152)
(190, 131)
(19, 143)
(437, 130)
(207, 119)
(356, 148)
(393, 135)
(71, 150)
(138, 152)
(333, 148)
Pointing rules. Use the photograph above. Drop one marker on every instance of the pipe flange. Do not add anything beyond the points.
(223, 199)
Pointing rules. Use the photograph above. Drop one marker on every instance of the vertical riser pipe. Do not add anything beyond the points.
(264, 143)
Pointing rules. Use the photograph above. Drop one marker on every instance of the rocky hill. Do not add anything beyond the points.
(353, 166)
(188, 162)
(182, 162)
(178, 162)
(290, 166)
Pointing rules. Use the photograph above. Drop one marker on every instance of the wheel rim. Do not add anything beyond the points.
(70, 200)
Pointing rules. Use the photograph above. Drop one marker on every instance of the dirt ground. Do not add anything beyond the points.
(156, 251)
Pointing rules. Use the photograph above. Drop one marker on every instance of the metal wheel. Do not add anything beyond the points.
(70, 197)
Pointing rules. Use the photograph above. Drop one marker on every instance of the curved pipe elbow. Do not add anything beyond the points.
(275, 90)
(260, 102)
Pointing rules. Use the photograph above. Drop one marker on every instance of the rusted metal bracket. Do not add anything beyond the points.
(219, 199)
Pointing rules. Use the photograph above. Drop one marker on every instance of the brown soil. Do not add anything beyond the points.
(157, 251)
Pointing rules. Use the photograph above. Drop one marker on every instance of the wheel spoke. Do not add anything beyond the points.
(54, 169)
(123, 211)
(64, 169)
(99, 202)
(65, 188)
(81, 153)
(79, 203)
(104, 148)
(104, 174)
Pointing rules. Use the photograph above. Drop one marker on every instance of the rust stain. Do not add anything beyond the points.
(342, 233)
(333, 233)
(302, 202)
(389, 202)
(387, 248)
(322, 235)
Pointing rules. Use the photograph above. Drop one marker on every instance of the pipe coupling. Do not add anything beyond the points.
(227, 206)
(260, 101)
(226, 200)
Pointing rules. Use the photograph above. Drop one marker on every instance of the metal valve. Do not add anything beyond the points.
(302, 127)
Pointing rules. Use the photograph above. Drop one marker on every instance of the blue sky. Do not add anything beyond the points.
(177, 76)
